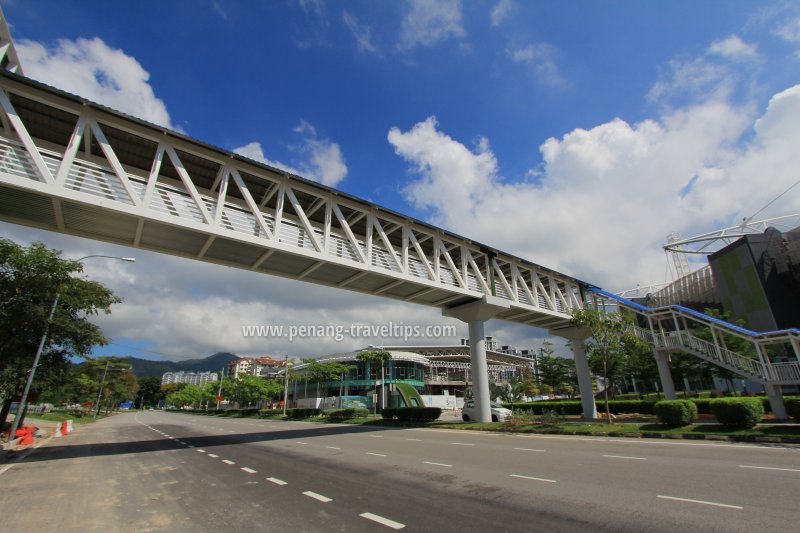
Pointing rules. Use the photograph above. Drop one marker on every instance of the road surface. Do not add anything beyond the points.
(156, 471)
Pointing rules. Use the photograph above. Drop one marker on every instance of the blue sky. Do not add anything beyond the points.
(575, 134)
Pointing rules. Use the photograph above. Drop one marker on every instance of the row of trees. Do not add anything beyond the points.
(32, 280)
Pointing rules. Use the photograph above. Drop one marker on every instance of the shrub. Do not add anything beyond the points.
(344, 414)
(793, 408)
(675, 413)
(299, 412)
(572, 407)
(738, 413)
(422, 414)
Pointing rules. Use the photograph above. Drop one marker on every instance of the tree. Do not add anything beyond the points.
(607, 348)
(320, 372)
(30, 279)
(377, 358)
(246, 390)
(150, 391)
(555, 373)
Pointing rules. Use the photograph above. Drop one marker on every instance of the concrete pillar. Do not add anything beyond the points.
(480, 371)
(475, 314)
(577, 337)
(775, 397)
(662, 361)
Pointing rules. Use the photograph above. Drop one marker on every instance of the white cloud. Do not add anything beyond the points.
(734, 48)
(361, 33)
(542, 58)
(428, 22)
(97, 72)
(325, 160)
(696, 78)
(321, 161)
(606, 198)
(501, 11)
(255, 152)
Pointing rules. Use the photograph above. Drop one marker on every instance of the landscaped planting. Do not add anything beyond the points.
(675, 413)
(738, 413)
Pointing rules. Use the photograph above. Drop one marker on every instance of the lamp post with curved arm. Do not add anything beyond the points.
(24, 399)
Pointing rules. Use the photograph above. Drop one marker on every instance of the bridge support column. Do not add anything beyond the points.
(775, 397)
(577, 336)
(475, 314)
(662, 361)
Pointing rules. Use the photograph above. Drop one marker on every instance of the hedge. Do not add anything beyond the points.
(793, 408)
(675, 413)
(298, 412)
(423, 414)
(738, 413)
(344, 414)
(572, 407)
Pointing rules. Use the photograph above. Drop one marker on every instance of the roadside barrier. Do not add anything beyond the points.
(65, 427)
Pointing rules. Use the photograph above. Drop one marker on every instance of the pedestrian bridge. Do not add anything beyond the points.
(72, 166)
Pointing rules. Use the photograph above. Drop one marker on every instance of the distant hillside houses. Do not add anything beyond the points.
(191, 378)
(255, 366)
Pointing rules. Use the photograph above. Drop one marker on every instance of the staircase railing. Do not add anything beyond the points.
(680, 338)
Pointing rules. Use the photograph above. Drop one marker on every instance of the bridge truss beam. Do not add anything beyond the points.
(75, 167)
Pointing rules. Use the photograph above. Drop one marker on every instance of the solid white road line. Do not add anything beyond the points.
(529, 450)
(383, 521)
(534, 478)
(699, 501)
(437, 464)
(376, 454)
(771, 468)
(332, 448)
(228, 462)
(625, 457)
(212, 455)
(320, 497)
(248, 470)
(277, 481)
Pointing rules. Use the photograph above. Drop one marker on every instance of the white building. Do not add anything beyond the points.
(191, 378)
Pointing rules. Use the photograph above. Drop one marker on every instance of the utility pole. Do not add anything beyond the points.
(219, 391)
(100, 392)
(285, 383)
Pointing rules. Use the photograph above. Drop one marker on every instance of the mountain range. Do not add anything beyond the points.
(146, 367)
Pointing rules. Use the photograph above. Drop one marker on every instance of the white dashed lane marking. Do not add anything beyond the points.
(249, 470)
(320, 497)
(771, 468)
(715, 504)
(383, 521)
(437, 464)
(277, 481)
(534, 478)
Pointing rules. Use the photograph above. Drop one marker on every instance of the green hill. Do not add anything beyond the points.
(146, 367)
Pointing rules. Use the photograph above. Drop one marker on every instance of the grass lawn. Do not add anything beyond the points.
(60, 416)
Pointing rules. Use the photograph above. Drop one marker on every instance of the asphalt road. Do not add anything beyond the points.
(157, 471)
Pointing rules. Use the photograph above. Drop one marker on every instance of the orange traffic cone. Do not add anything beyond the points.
(64, 430)
(27, 438)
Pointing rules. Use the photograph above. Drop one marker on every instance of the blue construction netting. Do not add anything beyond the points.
(702, 316)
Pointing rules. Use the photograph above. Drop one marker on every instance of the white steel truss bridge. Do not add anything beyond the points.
(75, 167)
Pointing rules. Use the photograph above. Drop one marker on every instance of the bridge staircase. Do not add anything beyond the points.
(674, 329)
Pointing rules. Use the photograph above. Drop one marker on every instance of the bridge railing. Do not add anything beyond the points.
(677, 335)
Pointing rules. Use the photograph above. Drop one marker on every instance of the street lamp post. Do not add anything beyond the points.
(32, 372)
